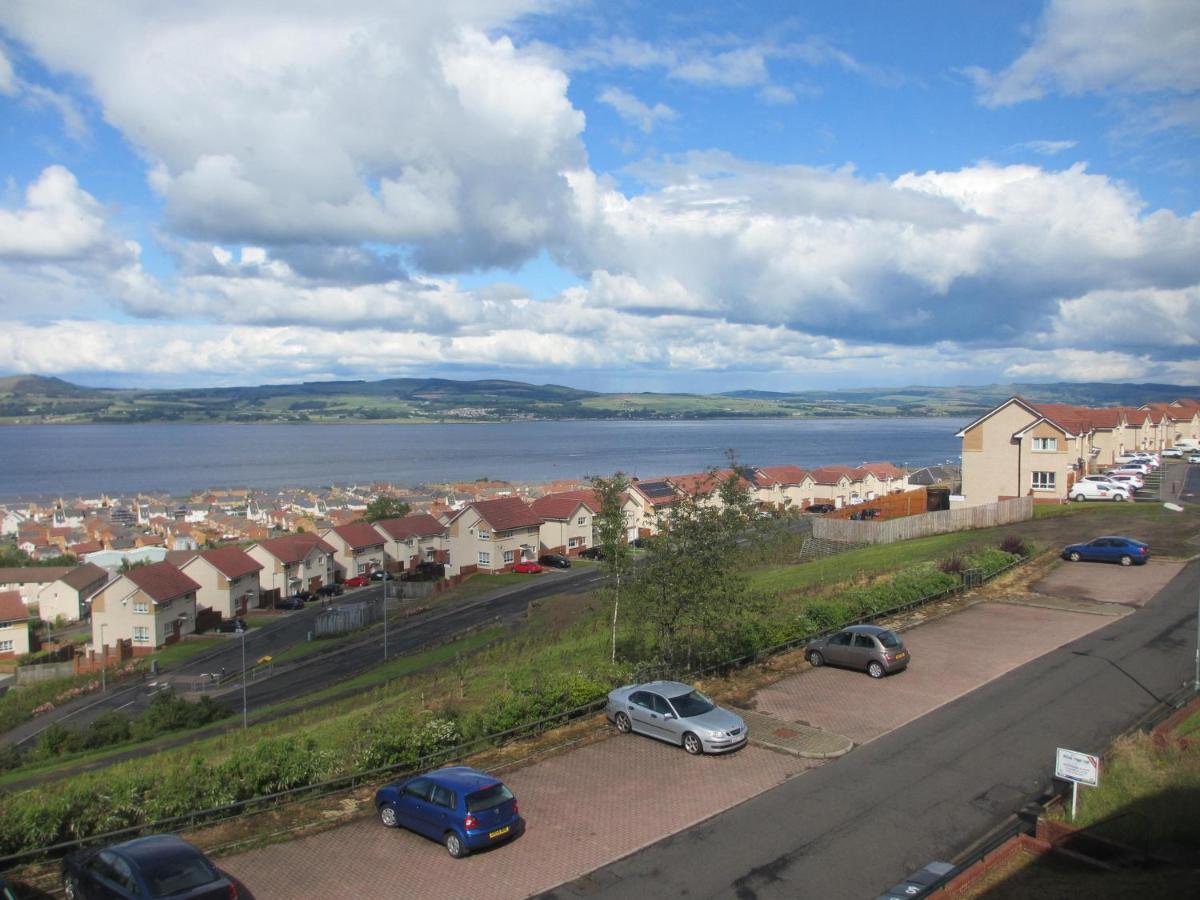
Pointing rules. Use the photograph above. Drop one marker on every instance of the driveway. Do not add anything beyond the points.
(602, 802)
(1109, 582)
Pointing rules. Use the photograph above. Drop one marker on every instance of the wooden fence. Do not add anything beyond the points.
(989, 515)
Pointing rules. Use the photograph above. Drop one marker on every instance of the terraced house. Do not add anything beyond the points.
(357, 549)
(1040, 450)
(412, 540)
(492, 536)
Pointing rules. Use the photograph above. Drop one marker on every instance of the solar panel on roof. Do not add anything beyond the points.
(656, 489)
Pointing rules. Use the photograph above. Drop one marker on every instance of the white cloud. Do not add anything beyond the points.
(8, 78)
(59, 221)
(1103, 46)
(633, 110)
(1046, 148)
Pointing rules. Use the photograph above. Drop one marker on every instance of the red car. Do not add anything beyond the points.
(357, 581)
(527, 568)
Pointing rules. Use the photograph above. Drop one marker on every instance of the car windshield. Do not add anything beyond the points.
(488, 798)
(167, 877)
(888, 639)
(691, 704)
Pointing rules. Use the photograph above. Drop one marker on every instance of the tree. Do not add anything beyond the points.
(609, 525)
(692, 584)
(385, 507)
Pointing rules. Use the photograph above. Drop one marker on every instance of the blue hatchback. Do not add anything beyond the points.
(1123, 550)
(462, 808)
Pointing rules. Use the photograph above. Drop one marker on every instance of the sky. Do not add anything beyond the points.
(620, 196)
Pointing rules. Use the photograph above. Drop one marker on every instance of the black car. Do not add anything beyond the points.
(229, 626)
(381, 575)
(821, 508)
(293, 602)
(330, 590)
(592, 553)
(426, 571)
(554, 561)
(161, 865)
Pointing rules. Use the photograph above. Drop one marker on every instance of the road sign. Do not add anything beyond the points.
(1081, 768)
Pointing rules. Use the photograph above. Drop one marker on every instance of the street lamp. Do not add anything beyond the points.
(242, 631)
(385, 600)
(103, 658)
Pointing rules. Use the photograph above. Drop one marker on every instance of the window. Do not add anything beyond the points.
(641, 698)
(1043, 481)
(582, 520)
(5, 646)
(141, 634)
(1045, 443)
(862, 640)
(508, 557)
(485, 535)
(443, 796)
(430, 554)
(485, 559)
(574, 542)
(168, 629)
(419, 789)
(840, 640)
(141, 606)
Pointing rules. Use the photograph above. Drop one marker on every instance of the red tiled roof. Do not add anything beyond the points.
(418, 525)
(161, 581)
(831, 474)
(359, 535)
(882, 470)
(32, 574)
(779, 475)
(556, 507)
(232, 562)
(12, 608)
(85, 547)
(587, 496)
(657, 500)
(704, 482)
(506, 513)
(291, 548)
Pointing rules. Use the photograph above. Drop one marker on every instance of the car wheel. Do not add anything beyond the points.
(1117, 498)
(692, 744)
(875, 669)
(1075, 557)
(387, 815)
(1127, 560)
(1078, 498)
(815, 659)
(454, 845)
(71, 888)
(623, 724)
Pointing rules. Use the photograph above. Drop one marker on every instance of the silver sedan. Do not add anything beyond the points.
(678, 713)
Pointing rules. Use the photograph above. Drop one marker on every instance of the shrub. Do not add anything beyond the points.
(1015, 545)
(952, 566)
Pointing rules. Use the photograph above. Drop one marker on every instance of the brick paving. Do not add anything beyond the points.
(950, 657)
(584, 809)
(1109, 582)
(792, 737)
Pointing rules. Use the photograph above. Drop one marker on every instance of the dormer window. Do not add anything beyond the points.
(485, 535)
(1045, 444)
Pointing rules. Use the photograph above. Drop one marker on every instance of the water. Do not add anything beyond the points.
(119, 459)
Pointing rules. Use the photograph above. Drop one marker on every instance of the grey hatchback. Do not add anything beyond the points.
(877, 651)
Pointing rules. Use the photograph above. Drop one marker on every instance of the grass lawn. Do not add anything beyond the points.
(181, 651)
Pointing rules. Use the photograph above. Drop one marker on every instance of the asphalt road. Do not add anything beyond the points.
(927, 791)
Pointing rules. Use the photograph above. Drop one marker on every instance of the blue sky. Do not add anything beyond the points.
(620, 196)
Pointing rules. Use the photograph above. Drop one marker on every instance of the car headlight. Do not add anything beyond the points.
(717, 734)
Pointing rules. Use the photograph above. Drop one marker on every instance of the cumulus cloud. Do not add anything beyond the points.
(633, 110)
(1103, 47)
(59, 221)
(365, 122)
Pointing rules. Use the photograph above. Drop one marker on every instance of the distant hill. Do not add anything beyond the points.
(39, 399)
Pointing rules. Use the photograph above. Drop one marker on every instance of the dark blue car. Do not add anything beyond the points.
(460, 807)
(161, 865)
(1123, 550)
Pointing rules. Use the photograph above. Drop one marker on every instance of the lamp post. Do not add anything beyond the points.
(242, 632)
(103, 658)
(385, 600)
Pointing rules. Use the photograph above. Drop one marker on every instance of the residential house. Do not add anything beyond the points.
(150, 606)
(834, 484)
(228, 579)
(357, 549)
(705, 487)
(783, 487)
(652, 502)
(14, 625)
(877, 478)
(566, 522)
(292, 563)
(492, 536)
(68, 597)
(412, 540)
(28, 581)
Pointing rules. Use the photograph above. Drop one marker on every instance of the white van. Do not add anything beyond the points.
(1188, 445)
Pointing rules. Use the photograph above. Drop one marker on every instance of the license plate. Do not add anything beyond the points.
(498, 832)
(902, 655)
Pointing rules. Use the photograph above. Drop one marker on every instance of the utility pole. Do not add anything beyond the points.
(103, 659)
(385, 600)
(242, 632)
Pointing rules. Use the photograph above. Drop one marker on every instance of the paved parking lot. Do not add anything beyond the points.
(1109, 582)
(603, 801)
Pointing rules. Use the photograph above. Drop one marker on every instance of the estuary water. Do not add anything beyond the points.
(44, 460)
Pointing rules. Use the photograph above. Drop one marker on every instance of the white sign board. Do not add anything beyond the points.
(1082, 768)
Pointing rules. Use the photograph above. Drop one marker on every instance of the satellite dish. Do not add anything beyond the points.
(1173, 507)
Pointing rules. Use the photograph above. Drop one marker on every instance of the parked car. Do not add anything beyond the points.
(229, 626)
(820, 508)
(357, 581)
(463, 808)
(1194, 458)
(426, 571)
(381, 575)
(1137, 467)
(330, 590)
(1110, 548)
(678, 713)
(554, 561)
(527, 567)
(1094, 490)
(160, 865)
(592, 553)
(877, 651)
(294, 602)
(1132, 481)
(1173, 453)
